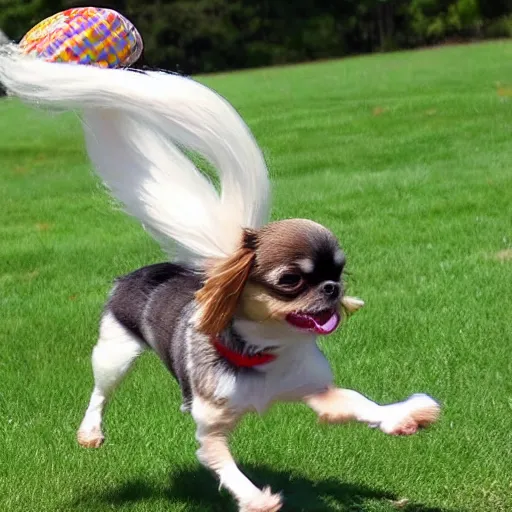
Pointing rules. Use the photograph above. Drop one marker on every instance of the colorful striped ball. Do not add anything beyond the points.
(85, 35)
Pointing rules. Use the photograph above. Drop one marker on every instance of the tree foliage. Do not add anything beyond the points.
(210, 35)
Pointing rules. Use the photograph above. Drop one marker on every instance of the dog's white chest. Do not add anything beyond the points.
(297, 372)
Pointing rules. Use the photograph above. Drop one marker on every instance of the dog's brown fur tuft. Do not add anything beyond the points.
(219, 296)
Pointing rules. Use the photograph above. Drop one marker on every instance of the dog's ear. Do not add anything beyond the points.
(220, 294)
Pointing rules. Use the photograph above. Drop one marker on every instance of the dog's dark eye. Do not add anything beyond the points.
(290, 280)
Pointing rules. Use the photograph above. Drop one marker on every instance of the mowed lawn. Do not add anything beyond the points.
(408, 159)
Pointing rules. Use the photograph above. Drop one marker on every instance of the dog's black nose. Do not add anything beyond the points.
(331, 289)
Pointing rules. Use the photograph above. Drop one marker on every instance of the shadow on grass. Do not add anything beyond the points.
(197, 488)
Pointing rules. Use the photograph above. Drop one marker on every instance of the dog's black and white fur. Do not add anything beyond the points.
(235, 318)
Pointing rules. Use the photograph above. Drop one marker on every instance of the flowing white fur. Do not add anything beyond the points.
(135, 124)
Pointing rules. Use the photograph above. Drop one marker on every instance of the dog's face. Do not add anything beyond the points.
(296, 277)
(288, 271)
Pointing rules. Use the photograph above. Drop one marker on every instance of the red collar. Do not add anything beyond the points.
(242, 360)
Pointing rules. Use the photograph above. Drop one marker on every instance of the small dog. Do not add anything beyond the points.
(236, 315)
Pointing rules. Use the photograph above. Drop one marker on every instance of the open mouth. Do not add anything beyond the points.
(324, 322)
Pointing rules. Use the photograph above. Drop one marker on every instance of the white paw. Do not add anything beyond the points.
(264, 502)
(91, 437)
(406, 418)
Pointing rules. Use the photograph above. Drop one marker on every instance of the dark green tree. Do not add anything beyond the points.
(210, 35)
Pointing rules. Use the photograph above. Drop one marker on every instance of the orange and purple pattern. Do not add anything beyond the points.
(85, 35)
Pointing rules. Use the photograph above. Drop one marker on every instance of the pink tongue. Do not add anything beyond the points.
(323, 323)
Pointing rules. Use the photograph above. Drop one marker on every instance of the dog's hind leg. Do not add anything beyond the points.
(116, 350)
(214, 424)
(341, 405)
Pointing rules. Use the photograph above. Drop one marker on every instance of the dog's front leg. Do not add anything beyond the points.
(214, 424)
(342, 405)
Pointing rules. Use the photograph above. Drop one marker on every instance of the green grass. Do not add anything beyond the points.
(408, 159)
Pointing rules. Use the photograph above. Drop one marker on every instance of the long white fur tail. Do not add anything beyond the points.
(135, 124)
